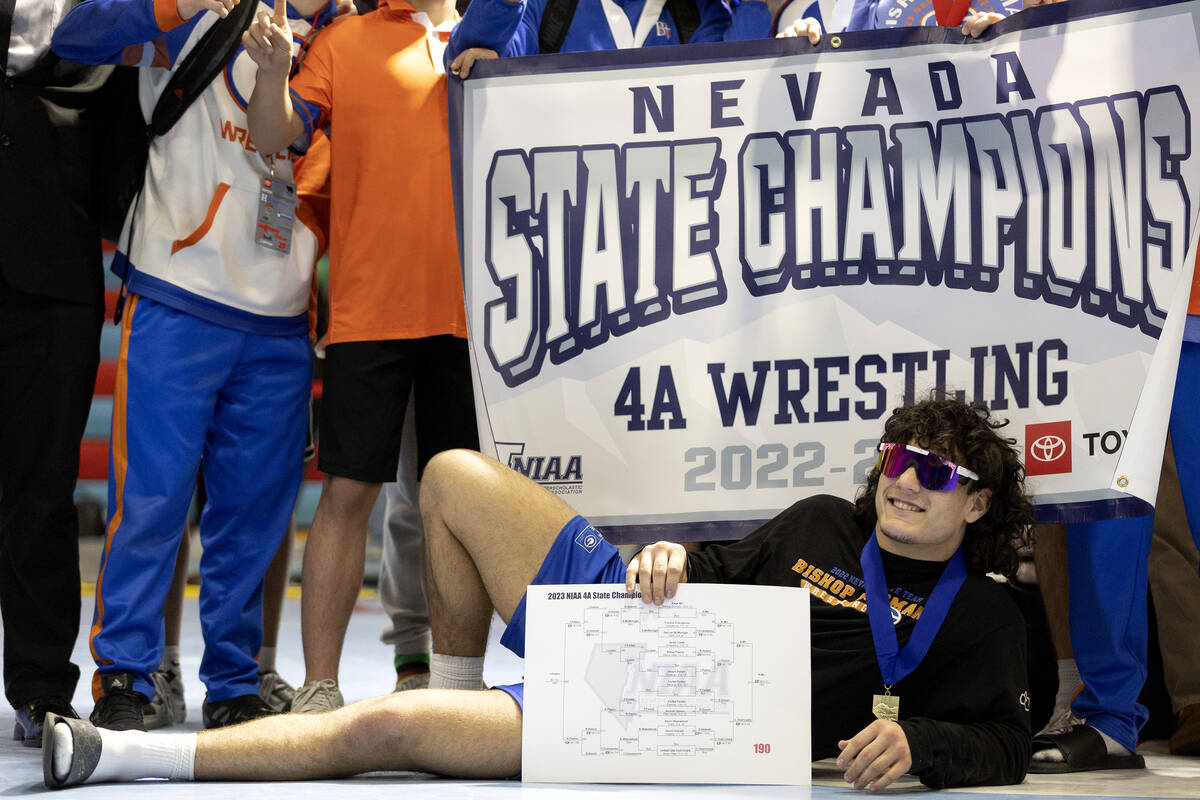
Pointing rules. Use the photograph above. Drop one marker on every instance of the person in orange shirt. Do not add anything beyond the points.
(397, 319)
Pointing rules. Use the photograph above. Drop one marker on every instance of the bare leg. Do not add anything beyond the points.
(1050, 559)
(1050, 563)
(173, 605)
(333, 571)
(461, 734)
(402, 566)
(1176, 591)
(275, 584)
(487, 531)
(167, 705)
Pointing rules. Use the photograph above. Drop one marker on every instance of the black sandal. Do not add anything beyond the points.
(1083, 750)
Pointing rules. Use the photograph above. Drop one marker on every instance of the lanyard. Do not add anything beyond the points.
(623, 34)
(894, 663)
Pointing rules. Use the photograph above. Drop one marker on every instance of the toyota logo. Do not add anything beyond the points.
(1048, 448)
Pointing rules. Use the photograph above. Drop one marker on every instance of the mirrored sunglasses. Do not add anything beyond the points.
(933, 472)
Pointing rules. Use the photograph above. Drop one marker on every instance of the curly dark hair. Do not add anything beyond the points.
(966, 433)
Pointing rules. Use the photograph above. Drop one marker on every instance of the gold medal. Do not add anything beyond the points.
(886, 706)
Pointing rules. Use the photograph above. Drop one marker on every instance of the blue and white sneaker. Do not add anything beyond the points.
(31, 716)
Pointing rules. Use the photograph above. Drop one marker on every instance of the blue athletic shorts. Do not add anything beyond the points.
(579, 555)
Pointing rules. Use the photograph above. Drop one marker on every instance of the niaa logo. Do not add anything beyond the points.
(550, 470)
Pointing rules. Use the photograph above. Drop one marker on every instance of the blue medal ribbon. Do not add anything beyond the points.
(894, 663)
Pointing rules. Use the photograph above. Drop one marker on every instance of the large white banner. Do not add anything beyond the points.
(698, 279)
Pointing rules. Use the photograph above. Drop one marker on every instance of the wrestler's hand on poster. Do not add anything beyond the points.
(876, 756)
(461, 66)
(657, 570)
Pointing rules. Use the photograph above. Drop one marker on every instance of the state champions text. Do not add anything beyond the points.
(1083, 204)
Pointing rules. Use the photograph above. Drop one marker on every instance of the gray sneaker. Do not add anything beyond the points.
(1063, 719)
(275, 691)
(317, 696)
(419, 680)
(167, 707)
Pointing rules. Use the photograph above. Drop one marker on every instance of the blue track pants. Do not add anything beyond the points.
(1107, 573)
(189, 391)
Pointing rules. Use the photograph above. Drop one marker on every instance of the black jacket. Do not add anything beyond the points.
(964, 709)
(49, 244)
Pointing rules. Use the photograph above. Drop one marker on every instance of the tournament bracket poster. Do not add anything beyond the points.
(699, 278)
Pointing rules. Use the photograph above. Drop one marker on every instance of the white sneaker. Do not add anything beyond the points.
(317, 697)
(275, 691)
(167, 707)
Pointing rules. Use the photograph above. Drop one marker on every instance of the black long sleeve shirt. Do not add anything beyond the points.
(964, 709)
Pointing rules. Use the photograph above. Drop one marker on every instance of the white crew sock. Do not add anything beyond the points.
(129, 755)
(455, 672)
(1069, 682)
(1113, 747)
(170, 656)
(266, 659)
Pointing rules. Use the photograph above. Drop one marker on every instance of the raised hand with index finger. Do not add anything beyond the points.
(269, 40)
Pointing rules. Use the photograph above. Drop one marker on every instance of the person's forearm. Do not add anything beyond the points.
(751, 20)
(946, 754)
(97, 32)
(488, 24)
(274, 124)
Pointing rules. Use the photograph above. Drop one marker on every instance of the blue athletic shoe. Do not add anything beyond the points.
(31, 716)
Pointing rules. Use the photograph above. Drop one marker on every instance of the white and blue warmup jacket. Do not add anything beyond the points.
(193, 244)
(215, 365)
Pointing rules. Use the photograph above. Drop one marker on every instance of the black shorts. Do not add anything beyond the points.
(366, 389)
